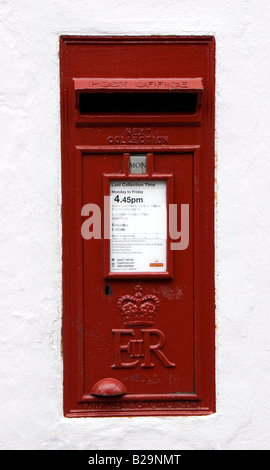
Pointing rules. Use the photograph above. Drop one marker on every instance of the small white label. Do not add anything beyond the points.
(137, 164)
(138, 222)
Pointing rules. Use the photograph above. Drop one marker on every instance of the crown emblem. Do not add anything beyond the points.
(138, 309)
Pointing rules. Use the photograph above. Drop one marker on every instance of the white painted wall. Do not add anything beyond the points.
(30, 218)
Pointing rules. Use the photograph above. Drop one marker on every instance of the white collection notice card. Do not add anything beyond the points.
(138, 226)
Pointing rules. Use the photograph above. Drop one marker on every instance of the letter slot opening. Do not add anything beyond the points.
(138, 102)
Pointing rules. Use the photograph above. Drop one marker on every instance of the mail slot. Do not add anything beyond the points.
(137, 136)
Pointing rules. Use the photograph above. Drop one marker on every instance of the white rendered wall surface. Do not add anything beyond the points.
(30, 223)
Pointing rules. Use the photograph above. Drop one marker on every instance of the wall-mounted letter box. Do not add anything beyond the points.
(138, 225)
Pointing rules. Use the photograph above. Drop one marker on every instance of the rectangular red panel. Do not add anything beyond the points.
(125, 180)
(138, 342)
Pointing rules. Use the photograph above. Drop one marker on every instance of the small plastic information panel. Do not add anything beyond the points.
(138, 226)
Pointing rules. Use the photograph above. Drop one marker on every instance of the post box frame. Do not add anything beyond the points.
(150, 175)
(77, 401)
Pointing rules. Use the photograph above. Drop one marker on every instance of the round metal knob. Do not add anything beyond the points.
(108, 388)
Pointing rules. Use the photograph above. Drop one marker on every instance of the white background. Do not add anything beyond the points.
(30, 273)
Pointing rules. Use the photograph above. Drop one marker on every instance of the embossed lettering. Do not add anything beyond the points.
(155, 348)
(122, 347)
(139, 348)
(146, 83)
(138, 136)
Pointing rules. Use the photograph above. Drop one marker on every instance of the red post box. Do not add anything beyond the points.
(138, 225)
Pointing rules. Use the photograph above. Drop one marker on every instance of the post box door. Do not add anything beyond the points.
(138, 290)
